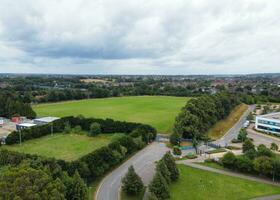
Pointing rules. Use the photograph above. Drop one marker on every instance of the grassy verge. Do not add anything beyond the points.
(62, 146)
(198, 184)
(212, 165)
(93, 187)
(223, 126)
(127, 197)
(158, 111)
(216, 151)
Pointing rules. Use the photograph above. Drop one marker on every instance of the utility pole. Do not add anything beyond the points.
(52, 128)
(20, 136)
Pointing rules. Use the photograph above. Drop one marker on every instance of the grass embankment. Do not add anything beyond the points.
(195, 184)
(212, 165)
(62, 146)
(220, 128)
(158, 111)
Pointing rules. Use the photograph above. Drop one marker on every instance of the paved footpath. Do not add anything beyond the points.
(144, 165)
(228, 173)
(272, 197)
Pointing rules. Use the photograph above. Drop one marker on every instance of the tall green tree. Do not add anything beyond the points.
(248, 145)
(78, 188)
(132, 183)
(175, 139)
(171, 166)
(162, 168)
(159, 187)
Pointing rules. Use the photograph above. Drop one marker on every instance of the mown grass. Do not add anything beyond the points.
(196, 184)
(158, 111)
(220, 128)
(62, 146)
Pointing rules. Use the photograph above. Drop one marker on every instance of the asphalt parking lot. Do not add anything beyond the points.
(7, 128)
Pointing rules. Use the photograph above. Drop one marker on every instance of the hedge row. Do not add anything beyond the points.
(96, 163)
(90, 166)
(107, 126)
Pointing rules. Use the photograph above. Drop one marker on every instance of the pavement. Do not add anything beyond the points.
(144, 165)
(233, 132)
(272, 197)
(262, 138)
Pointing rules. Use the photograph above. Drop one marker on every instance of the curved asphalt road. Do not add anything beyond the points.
(143, 163)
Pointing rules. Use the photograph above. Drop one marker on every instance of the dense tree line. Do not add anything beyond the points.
(13, 105)
(260, 160)
(37, 89)
(202, 113)
(34, 177)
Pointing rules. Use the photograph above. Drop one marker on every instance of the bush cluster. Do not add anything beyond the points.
(260, 160)
(166, 172)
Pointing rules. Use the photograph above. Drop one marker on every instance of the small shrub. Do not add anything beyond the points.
(229, 160)
(191, 156)
(67, 128)
(274, 147)
(177, 151)
(95, 129)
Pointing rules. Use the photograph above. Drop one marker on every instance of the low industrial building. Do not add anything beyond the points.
(24, 126)
(269, 123)
(44, 120)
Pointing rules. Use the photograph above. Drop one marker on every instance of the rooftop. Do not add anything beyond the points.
(272, 116)
(47, 119)
(27, 124)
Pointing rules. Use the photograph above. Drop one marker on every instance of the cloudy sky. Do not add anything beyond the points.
(140, 36)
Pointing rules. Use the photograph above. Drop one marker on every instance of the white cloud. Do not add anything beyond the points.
(140, 37)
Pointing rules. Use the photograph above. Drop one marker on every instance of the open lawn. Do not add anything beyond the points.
(220, 128)
(62, 146)
(158, 111)
(195, 184)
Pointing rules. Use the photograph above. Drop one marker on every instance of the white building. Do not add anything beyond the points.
(44, 120)
(268, 123)
(24, 126)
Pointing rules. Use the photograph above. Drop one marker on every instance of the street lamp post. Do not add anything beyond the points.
(20, 136)
(52, 129)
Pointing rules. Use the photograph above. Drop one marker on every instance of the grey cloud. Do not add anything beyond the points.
(111, 36)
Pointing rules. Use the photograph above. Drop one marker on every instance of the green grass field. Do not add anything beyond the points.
(158, 111)
(220, 128)
(195, 184)
(62, 146)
